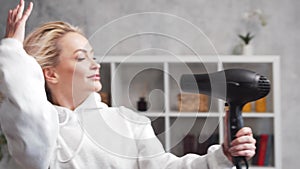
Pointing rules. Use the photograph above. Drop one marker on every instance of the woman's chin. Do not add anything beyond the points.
(97, 88)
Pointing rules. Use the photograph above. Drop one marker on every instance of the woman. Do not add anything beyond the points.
(67, 126)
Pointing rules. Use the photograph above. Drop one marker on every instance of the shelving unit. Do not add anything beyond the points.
(157, 78)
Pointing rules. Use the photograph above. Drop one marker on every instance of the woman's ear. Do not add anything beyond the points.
(50, 75)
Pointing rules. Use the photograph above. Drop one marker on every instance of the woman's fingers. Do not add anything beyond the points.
(14, 13)
(20, 9)
(8, 22)
(245, 131)
(244, 144)
(248, 153)
(241, 147)
(243, 136)
(27, 12)
(9, 16)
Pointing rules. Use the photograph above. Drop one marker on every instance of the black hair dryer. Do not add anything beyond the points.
(237, 87)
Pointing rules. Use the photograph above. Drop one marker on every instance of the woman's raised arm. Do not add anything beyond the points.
(28, 120)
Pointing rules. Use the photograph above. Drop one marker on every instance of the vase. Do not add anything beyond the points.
(142, 104)
(247, 49)
(261, 105)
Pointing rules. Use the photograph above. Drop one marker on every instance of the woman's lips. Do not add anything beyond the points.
(94, 77)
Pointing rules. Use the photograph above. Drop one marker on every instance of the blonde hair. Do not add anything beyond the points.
(43, 45)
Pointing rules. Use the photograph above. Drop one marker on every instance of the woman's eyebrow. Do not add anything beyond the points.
(80, 50)
(83, 50)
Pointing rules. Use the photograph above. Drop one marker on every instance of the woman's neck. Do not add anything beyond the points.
(68, 100)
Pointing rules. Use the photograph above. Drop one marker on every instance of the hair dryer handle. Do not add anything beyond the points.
(235, 123)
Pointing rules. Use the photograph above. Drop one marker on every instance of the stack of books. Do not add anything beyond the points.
(264, 150)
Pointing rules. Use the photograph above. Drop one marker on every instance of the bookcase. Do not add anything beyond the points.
(157, 78)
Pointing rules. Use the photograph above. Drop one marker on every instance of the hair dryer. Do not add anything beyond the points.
(236, 86)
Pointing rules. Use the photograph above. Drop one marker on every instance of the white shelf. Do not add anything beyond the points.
(205, 114)
(187, 59)
(124, 69)
(189, 114)
(258, 115)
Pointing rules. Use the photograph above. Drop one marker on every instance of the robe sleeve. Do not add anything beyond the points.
(28, 120)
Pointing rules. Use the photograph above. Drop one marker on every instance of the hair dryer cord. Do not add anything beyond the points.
(238, 164)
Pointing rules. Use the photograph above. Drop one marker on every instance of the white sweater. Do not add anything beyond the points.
(92, 136)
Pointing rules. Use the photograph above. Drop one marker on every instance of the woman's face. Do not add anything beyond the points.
(77, 71)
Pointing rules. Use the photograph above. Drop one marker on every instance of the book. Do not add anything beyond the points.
(269, 151)
(263, 145)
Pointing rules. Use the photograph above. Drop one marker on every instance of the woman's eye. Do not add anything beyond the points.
(81, 56)
(80, 59)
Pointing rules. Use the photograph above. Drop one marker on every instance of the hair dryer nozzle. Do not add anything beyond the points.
(264, 85)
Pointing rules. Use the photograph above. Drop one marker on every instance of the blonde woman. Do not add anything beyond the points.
(49, 89)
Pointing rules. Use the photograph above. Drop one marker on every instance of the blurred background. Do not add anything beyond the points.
(275, 25)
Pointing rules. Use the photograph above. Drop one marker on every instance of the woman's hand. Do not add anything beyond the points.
(242, 145)
(16, 21)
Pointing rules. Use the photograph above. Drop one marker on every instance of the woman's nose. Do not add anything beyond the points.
(95, 65)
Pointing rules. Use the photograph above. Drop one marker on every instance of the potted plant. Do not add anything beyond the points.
(247, 47)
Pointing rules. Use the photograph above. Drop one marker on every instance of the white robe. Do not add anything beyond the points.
(92, 136)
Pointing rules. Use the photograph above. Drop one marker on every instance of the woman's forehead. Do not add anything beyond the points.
(73, 41)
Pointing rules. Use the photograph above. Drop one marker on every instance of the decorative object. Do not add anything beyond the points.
(254, 18)
(190, 102)
(142, 104)
(253, 21)
(247, 47)
(247, 107)
(261, 105)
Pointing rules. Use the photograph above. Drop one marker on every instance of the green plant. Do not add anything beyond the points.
(246, 38)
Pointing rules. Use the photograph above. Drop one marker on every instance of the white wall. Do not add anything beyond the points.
(220, 20)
